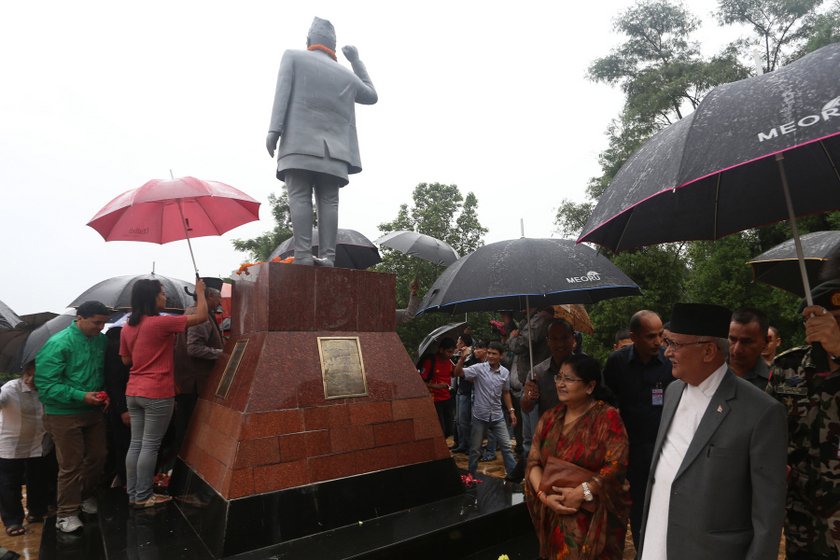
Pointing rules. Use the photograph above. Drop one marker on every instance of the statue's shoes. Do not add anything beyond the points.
(323, 262)
(305, 260)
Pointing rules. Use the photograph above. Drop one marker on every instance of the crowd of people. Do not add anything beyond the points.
(695, 434)
(93, 408)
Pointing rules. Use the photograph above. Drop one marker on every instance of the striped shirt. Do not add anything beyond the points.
(22, 433)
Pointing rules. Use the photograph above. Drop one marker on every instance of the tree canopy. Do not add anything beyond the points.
(441, 211)
(260, 248)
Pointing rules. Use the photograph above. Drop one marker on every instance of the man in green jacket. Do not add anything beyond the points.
(69, 375)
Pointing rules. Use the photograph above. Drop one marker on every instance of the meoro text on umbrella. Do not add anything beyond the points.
(830, 109)
(591, 276)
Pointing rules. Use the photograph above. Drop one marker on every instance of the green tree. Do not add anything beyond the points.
(441, 211)
(825, 30)
(660, 272)
(778, 26)
(663, 75)
(719, 274)
(260, 248)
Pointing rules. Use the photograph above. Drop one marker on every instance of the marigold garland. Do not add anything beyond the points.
(324, 48)
(245, 266)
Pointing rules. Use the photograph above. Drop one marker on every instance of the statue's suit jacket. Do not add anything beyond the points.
(314, 107)
(728, 497)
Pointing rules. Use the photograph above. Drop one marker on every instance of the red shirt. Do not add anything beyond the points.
(442, 374)
(151, 346)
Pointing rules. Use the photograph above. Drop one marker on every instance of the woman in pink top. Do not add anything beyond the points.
(147, 346)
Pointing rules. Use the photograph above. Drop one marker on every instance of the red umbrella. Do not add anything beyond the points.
(169, 210)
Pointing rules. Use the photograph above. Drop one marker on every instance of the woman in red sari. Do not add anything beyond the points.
(589, 433)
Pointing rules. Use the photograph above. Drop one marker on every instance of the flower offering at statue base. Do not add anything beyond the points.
(469, 482)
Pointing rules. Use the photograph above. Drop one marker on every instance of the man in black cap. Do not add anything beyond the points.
(811, 395)
(717, 484)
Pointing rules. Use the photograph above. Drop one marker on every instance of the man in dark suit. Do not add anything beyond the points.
(314, 118)
(638, 375)
(717, 484)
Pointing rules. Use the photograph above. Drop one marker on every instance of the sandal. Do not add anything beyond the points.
(152, 501)
(15, 530)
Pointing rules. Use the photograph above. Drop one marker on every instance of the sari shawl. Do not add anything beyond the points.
(597, 441)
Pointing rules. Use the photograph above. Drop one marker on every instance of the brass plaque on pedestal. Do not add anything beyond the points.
(231, 367)
(342, 368)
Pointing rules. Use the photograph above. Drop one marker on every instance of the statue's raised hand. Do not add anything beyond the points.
(271, 142)
(351, 53)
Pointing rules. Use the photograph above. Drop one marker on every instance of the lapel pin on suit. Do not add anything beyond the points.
(720, 408)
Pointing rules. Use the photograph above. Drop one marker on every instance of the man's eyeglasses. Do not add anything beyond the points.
(673, 345)
(566, 379)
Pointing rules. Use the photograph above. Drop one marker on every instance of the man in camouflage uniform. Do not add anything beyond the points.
(812, 397)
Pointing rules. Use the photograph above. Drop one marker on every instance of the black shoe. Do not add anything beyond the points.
(518, 472)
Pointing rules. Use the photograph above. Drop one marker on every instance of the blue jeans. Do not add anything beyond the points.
(491, 443)
(497, 427)
(463, 415)
(149, 421)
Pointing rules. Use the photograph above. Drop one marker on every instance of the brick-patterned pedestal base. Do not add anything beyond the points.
(274, 441)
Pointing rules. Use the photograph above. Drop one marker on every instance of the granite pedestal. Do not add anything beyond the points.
(274, 452)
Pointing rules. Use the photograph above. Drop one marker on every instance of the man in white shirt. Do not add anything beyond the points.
(717, 483)
(25, 454)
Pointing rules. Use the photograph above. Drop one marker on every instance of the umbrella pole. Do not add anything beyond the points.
(800, 255)
(818, 353)
(187, 235)
(528, 324)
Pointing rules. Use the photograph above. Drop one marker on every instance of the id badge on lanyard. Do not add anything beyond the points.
(657, 395)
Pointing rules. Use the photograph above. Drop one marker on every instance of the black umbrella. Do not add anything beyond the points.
(419, 245)
(522, 273)
(352, 249)
(779, 266)
(12, 341)
(8, 318)
(116, 292)
(451, 330)
(39, 336)
(714, 172)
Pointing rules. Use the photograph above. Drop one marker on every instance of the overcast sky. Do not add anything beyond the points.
(100, 97)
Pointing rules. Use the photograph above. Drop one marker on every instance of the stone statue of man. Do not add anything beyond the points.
(314, 117)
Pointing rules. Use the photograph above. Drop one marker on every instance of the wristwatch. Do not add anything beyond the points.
(587, 493)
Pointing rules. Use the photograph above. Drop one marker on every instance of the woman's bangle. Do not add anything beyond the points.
(540, 495)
